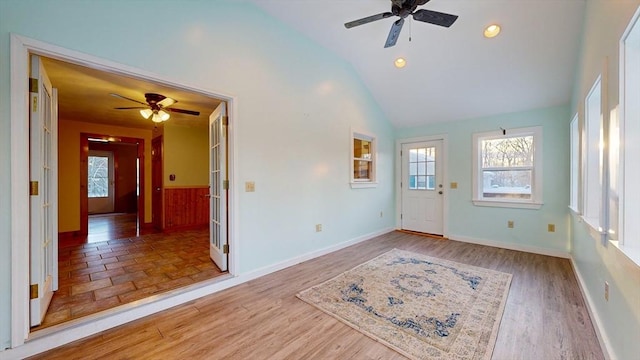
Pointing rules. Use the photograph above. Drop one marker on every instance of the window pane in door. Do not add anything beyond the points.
(98, 176)
(422, 168)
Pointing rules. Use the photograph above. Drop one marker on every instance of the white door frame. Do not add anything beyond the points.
(21, 48)
(445, 177)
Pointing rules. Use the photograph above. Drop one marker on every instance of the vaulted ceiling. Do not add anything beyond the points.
(451, 73)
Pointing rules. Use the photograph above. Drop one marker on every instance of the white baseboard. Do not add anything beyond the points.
(601, 334)
(59, 335)
(312, 255)
(511, 246)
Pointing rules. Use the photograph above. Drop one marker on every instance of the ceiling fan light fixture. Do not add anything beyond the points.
(146, 113)
(400, 63)
(492, 31)
(156, 118)
(164, 115)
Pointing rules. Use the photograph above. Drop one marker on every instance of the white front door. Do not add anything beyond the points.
(101, 182)
(422, 189)
(218, 187)
(43, 165)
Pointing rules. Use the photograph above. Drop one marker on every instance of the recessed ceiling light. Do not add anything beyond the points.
(492, 31)
(400, 63)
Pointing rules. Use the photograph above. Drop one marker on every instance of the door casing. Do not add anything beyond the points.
(20, 49)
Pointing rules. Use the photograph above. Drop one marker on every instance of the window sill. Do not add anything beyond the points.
(508, 204)
(632, 253)
(363, 185)
(575, 211)
(594, 229)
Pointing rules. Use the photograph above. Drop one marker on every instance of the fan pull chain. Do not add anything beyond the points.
(410, 27)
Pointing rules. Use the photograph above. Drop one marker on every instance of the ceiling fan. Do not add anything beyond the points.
(157, 107)
(402, 9)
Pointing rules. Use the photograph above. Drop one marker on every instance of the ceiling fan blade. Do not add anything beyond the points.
(367, 20)
(126, 98)
(182, 111)
(166, 102)
(434, 17)
(394, 33)
(132, 107)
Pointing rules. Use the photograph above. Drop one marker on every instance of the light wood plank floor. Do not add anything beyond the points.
(545, 316)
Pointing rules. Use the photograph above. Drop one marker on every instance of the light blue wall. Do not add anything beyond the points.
(619, 318)
(490, 223)
(296, 105)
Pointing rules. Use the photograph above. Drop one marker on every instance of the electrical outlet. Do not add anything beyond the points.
(551, 228)
(510, 224)
(318, 227)
(606, 291)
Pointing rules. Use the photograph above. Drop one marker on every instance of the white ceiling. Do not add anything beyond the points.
(452, 73)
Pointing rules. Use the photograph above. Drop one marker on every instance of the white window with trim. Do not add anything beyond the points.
(629, 147)
(507, 168)
(363, 160)
(593, 156)
(574, 134)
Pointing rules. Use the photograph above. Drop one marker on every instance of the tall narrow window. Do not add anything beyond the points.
(575, 163)
(629, 115)
(594, 156)
(507, 168)
(363, 160)
(98, 176)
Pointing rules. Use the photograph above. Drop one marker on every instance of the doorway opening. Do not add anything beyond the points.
(22, 49)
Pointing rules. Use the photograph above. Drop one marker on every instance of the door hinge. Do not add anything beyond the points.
(225, 185)
(33, 291)
(400, 216)
(225, 120)
(400, 153)
(34, 106)
(33, 188)
(33, 85)
(225, 248)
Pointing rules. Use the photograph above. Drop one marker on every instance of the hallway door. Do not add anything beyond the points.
(218, 187)
(43, 165)
(157, 203)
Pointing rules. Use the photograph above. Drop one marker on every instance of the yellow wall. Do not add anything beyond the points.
(186, 155)
(69, 168)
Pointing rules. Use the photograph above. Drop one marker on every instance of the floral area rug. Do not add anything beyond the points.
(420, 306)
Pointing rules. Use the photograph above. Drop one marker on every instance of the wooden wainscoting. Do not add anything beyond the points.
(186, 207)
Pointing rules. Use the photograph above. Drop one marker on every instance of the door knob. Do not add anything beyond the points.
(440, 192)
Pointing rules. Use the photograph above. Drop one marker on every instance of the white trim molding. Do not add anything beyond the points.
(603, 338)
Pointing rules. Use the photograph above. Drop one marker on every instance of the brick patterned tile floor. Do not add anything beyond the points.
(101, 275)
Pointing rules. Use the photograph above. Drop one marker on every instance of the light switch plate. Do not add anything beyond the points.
(454, 185)
(249, 186)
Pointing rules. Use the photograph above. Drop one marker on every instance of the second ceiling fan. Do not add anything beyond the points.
(157, 107)
(402, 9)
